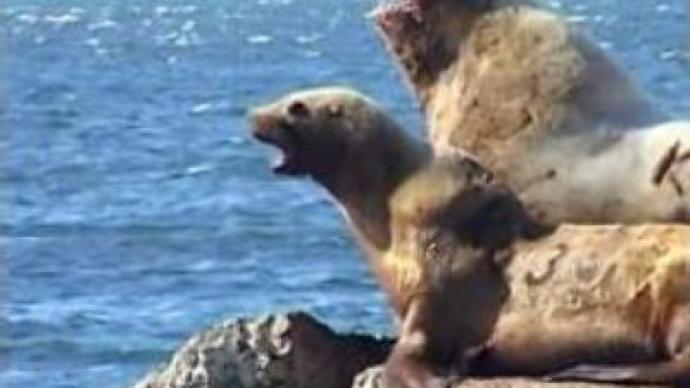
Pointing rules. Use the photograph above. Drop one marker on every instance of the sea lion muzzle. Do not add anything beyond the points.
(280, 133)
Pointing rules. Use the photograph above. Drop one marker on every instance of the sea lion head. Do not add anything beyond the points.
(320, 130)
(425, 36)
(400, 19)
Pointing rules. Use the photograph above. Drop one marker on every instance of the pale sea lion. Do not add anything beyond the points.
(597, 303)
(537, 102)
(467, 269)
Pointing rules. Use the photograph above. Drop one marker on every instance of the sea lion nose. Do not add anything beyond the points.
(384, 20)
(261, 122)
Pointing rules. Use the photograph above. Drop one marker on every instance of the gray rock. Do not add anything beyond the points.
(373, 378)
(291, 351)
(279, 350)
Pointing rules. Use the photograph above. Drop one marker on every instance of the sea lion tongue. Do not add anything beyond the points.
(285, 163)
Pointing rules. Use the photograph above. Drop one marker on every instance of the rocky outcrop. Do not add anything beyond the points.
(372, 378)
(279, 350)
(291, 350)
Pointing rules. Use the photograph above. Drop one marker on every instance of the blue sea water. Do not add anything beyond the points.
(136, 207)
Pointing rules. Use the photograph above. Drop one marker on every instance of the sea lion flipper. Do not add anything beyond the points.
(414, 361)
(675, 371)
(593, 373)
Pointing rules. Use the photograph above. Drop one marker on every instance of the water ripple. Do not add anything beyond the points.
(140, 208)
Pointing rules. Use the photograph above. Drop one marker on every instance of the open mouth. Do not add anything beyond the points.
(388, 15)
(281, 135)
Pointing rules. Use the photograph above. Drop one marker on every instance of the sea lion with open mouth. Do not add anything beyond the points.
(478, 285)
(537, 102)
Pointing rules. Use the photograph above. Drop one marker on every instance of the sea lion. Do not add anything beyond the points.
(607, 303)
(478, 284)
(403, 205)
(537, 102)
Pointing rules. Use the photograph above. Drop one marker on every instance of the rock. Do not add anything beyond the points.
(279, 350)
(372, 378)
(290, 350)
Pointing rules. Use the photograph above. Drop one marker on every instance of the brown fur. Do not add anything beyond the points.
(542, 106)
(459, 260)
(429, 225)
(601, 296)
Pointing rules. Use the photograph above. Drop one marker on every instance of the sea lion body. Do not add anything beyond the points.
(402, 203)
(637, 176)
(459, 257)
(596, 295)
(537, 102)
(390, 186)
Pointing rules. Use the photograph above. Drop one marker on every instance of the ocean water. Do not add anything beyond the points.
(136, 207)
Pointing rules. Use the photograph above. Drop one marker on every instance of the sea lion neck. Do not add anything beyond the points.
(366, 180)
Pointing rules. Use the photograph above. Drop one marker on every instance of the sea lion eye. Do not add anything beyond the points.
(298, 109)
